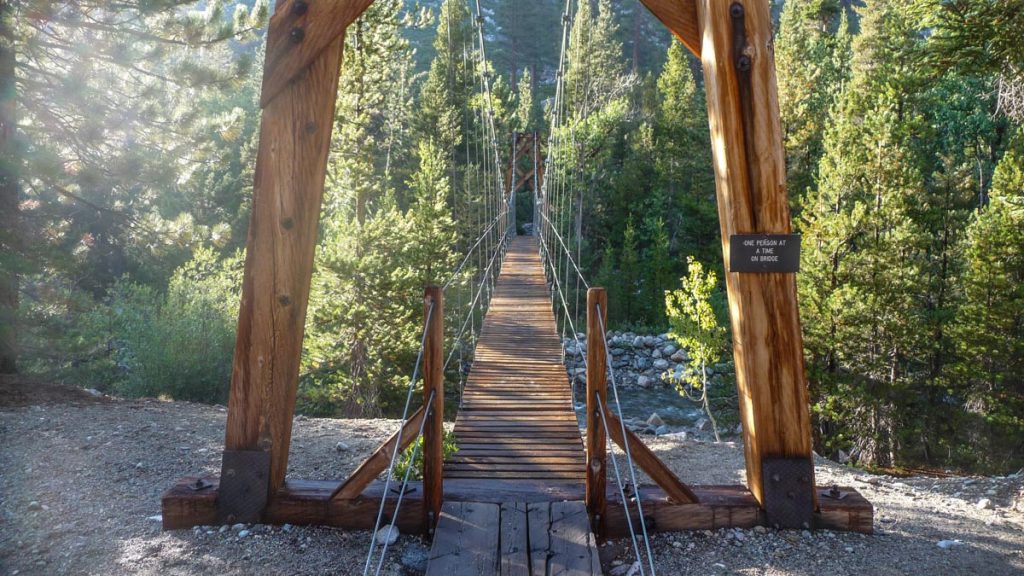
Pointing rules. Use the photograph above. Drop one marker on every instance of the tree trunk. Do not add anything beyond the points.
(9, 217)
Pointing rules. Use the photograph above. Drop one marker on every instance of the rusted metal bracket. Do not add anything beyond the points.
(741, 59)
(244, 483)
(788, 492)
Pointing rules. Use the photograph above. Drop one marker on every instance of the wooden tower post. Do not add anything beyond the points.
(597, 441)
(433, 382)
(300, 85)
(734, 41)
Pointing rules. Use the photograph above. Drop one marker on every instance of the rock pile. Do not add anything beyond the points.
(646, 361)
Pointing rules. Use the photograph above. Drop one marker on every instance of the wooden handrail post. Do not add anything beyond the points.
(597, 303)
(433, 382)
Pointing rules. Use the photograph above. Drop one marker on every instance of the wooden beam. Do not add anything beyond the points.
(309, 502)
(597, 396)
(380, 459)
(433, 384)
(290, 168)
(746, 137)
(648, 462)
(298, 32)
(680, 17)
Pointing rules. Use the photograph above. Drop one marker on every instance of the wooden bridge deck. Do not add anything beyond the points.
(517, 420)
(519, 444)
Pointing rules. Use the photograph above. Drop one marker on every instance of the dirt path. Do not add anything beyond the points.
(81, 479)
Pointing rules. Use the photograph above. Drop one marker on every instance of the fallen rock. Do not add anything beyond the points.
(655, 420)
(983, 504)
(342, 447)
(387, 535)
(947, 544)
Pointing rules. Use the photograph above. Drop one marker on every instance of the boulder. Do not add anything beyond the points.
(661, 364)
(655, 420)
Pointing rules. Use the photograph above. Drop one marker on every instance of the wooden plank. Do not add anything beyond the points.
(433, 387)
(539, 523)
(466, 540)
(514, 552)
(308, 502)
(750, 179)
(597, 396)
(648, 461)
(503, 457)
(378, 461)
(290, 167)
(573, 549)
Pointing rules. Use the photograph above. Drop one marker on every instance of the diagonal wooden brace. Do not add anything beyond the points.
(648, 461)
(377, 462)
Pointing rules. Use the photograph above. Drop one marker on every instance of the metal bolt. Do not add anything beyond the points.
(297, 35)
(736, 10)
(743, 63)
(299, 8)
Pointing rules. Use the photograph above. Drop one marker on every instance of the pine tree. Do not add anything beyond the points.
(629, 271)
(658, 270)
(116, 122)
(989, 327)
(683, 159)
(861, 265)
(811, 60)
(525, 119)
(10, 225)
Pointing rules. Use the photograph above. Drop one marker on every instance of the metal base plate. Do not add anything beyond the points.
(788, 492)
(244, 482)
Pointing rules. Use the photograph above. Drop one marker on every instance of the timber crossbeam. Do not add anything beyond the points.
(301, 502)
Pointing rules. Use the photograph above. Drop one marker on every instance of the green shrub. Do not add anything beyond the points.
(448, 448)
(180, 346)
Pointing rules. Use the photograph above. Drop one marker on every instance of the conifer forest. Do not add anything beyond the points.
(128, 140)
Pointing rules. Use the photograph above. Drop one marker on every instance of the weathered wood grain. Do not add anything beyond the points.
(597, 395)
(377, 462)
(516, 420)
(466, 540)
(309, 502)
(290, 169)
(514, 554)
(680, 17)
(298, 32)
(746, 138)
(573, 549)
(648, 461)
(433, 386)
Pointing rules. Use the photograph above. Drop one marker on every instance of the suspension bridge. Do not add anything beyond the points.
(528, 490)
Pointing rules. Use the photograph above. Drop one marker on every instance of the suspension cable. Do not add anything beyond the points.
(405, 416)
(402, 490)
(625, 440)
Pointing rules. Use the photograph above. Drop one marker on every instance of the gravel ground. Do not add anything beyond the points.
(81, 479)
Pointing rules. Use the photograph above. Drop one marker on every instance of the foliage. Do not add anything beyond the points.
(177, 345)
(449, 447)
(695, 325)
(989, 329)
